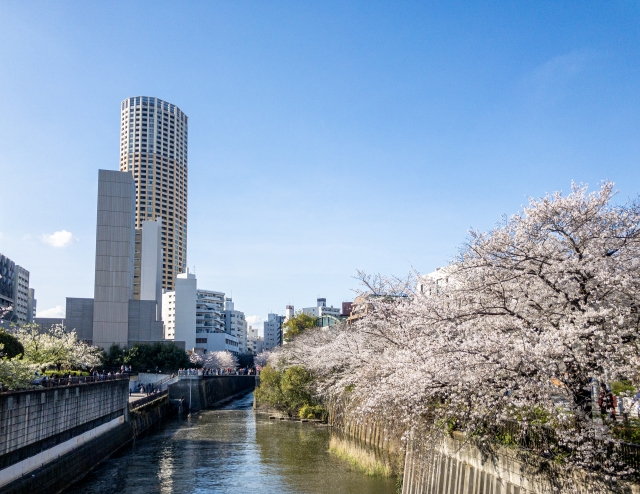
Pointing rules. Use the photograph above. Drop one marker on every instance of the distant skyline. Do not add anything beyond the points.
(324, 137)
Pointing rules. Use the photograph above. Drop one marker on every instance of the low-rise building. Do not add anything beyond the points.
(321, 309)
(255, 345)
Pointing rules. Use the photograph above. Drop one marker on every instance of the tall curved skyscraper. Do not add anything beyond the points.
(153, 147)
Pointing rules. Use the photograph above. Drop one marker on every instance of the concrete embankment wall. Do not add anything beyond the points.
(382, 435)
(210, 390)
(34, 422)
(65, 441)
(57, 475)
(452, 465)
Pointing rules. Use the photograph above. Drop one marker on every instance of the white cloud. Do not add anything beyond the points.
(57, 311)
(255, 321)
(58, 239)
(558, 72)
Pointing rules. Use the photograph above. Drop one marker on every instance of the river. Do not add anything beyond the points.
(231, 450)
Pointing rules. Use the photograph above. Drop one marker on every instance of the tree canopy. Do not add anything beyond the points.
(514, 329)
(297, 325)
(11, 345)
(56, 347)
(147, 356)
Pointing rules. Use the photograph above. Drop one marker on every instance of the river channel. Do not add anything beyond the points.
(231, 450)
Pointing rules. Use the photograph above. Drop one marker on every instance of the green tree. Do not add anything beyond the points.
(146, 357)
(289, 391)
(114, 357)
(298, 324)
(11, 346)
(15, 373)
(245, 360)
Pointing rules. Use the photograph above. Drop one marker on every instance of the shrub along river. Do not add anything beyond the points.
(231, 450)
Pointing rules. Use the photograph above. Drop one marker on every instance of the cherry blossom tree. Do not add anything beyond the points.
(517, 328)
(15, 373)
(195, 358)
(227, 360)
(261, 359)
(6, 312)
(220, 360)
(56, 346)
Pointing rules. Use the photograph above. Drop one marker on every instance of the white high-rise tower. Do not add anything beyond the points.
(153, 148)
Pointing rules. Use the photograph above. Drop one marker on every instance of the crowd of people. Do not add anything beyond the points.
(228, 371)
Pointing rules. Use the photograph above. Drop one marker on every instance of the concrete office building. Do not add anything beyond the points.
(115, 236)
(79, 316)
(21, 296)
(113, 316)
(209, 317)
(153, 149)
(33, 305)
(321, 309)
(255, 342)
(47, 323)
(197, 317)
(255, 345)
(7, 282)
(147, 263)
(273, 331)
(289, 313)
(235, 324)
(179, 310)
(220, 342)
(14, 291)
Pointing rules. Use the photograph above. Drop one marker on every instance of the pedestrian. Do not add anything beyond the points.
(607, 402)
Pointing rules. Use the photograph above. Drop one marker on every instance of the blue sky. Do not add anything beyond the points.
(325, 137)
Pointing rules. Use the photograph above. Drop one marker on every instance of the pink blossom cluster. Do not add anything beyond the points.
(527, 321)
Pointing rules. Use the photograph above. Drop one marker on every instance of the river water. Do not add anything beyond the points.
(231, 450)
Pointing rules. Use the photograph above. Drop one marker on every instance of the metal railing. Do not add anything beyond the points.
(190, 373)
(544, 440)
(147, 399)
(48, 383)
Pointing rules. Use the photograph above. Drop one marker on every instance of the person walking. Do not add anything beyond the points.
(607, 402)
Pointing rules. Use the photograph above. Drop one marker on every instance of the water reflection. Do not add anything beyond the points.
(231, 450)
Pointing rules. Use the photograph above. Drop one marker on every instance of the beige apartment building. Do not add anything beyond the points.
(153, 148)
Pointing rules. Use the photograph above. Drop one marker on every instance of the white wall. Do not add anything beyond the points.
(151, 263)
(272, 331)
(218, 342)
(185, 309)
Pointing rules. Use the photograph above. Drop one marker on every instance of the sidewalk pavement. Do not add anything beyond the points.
(136, 396)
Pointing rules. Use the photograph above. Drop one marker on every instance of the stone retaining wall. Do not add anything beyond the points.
(34, 421)
(68, 462)
(452, 465)
(208, 391)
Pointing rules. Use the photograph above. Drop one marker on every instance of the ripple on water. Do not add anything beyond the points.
(231, 450)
